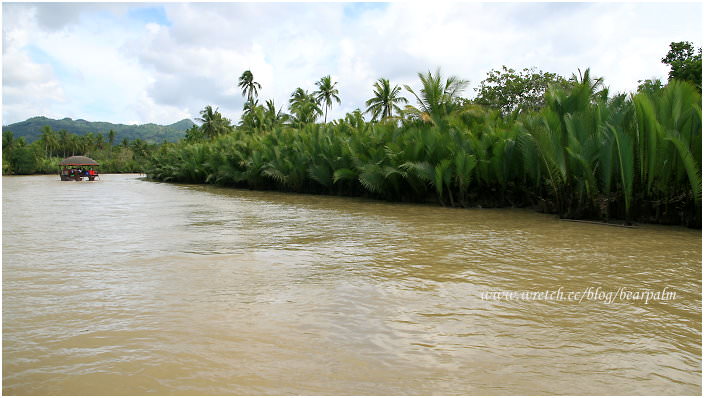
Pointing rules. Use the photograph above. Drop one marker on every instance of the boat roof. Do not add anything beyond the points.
(78, 161)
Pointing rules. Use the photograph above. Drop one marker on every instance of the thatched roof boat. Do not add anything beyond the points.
(71, 172)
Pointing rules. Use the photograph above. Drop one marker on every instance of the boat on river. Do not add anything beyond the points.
(76, 168)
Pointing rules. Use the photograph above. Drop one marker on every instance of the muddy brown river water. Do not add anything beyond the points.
(126, 286)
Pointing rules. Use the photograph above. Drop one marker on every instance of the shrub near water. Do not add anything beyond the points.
(583, 155)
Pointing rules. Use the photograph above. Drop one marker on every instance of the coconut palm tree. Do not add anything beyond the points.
(213, 122)
(250, 88)
(385, 100)
(249, 107)
(438, 97)
(326, 94)
(273, 116)
(48, 137)
(254, 117)
(297, 96)
(64, 141)
(208, 120)
(304, 107)
(100, 141)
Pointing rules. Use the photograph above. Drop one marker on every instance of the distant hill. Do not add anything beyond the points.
(154, 133)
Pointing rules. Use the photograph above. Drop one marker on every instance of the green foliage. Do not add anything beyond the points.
(437, 98)
(685, 63)
(258, 119)
(195, 133)
(43, 156)
(213, 123)
(326, 94)
(573, 149)
(651, 86)
(385, 101)
(670, 140)
(250, 88)
(304, 108)
(509, 91)
(583, 154)
(23, 160)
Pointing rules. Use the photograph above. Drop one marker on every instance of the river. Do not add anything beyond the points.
(126, 286)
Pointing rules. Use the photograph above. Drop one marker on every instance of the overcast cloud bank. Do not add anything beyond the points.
(142, 63)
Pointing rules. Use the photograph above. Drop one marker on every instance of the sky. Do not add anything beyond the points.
(137, 63)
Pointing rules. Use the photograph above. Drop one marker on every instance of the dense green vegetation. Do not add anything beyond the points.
(511, 91)
(43, 155)
(574, 150)
(151, 133)
(38, 144)
(528, 139)
(685, 63)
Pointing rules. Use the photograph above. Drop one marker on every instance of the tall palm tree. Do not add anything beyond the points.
(304, 107)
(111, 139)
(252, 115)
(385, 99)
(48, 137)
(88, 141)
(249, 87)
(75, 144)
(64, 141)
(438, 96)
(100, 141)
(249, 107)
(326, 94)
(297, 96)
(213, 122)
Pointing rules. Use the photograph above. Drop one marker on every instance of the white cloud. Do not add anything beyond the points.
(27, 85)
(135, 62)
(30, 87)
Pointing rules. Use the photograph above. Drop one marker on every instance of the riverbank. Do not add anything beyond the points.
(43, 156)
(432, 201)
(635, 159)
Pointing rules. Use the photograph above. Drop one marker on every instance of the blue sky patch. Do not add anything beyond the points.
(40, 56)
(149, 14)
(353, 10)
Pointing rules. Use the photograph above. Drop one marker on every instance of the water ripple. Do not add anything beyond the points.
(130, 287)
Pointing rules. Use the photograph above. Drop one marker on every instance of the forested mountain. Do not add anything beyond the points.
(31, 129)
